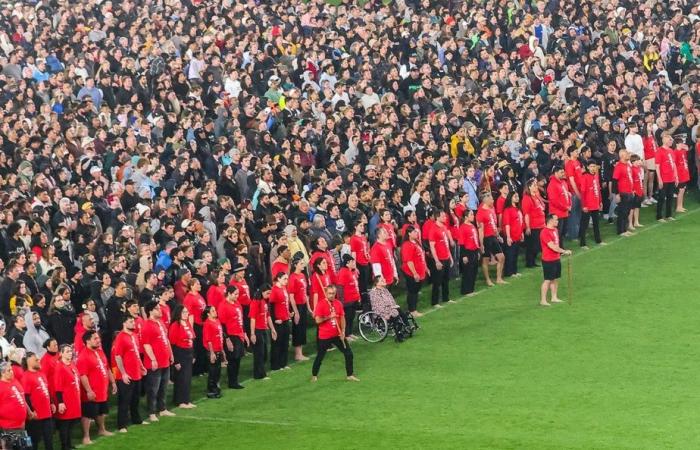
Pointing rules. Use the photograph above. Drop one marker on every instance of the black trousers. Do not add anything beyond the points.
(511, 254)
(412, 292)
(365, 281)
(234, 360)
(561, 229)
(39, 430)
(214, 374)
(350, 310)
(260, 354)
(532, 247)
(441, 283)
(279, 354)
(65, 427)
(469, 270)
(182, 379)
(156, 381)
(128, 403)
(200, 353)
(583, 226)
(299, 329)
(246, 319)
(324, 345)
(623, 210)
(665, 198)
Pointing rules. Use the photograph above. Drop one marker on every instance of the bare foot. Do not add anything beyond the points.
(87, 441)
(471, 294)
(451, 301)
(105, 433)
(416, 314)
(314, 379)
(544, 304)
(584, 247)
(639, 225)
(661, 220)
(301, 358)
(556, 300)
(489, 283)
(671, 218)
(438, 306)
(167, 413)
(603, 243)
(352, 378)
(501, 282)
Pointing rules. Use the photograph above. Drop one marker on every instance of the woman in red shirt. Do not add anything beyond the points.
(297, 288)
(320, 280)
(213, 343)
(349, 292)
(513, 231)
(217, 290)
(414, 267)
(67, 386)
(468, 238)
(533, 220)
(260, 322)
(680, 154)
(195, 304)
(279, 302)
(231, 317)
(359, 248)
(181, 336)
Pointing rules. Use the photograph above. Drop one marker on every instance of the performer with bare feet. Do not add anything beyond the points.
(551, 260)
(489, 239)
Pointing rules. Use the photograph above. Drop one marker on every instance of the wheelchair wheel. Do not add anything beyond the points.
(373, 327)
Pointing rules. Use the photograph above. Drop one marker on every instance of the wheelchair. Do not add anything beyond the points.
(375, 328)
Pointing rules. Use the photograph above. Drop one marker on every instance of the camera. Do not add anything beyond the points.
(15, 441)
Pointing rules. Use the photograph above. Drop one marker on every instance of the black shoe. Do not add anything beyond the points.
(235, 386)
(213, 395)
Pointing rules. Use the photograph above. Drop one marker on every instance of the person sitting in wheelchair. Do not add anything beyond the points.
(384, 304)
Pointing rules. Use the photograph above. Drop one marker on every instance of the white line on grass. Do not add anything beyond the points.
(235, 420)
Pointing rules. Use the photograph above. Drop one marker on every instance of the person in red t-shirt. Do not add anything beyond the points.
(320, 250)
(623, 188)
(359, 249)
(128, 371)
(414, 268)
(591, 200)
(231, 317)
(440, 241)
(158, 357)
(38, 398)
(281, 263)
(213, 342)
(181, 337)
(14, 410)
(469, 251)
(299, 298)
(513, 231)
(559, 198)
(67, 385)
(637, 191)
(239, 281)
(95, 379)
(389, 224)
(667, 175)
(260, 323)
(195, 304)
(499, 205)
(533, 208)
(489, 239)
(349, 292)
(279, 302)
(330, 317)
(382, 255)
(320, 279)
(217, 288)
(681, 156)
(551, 264)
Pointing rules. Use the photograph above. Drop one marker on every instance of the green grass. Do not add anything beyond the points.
(614, 370)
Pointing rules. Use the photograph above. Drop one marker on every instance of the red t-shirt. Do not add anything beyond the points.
(279, 299)
(156, 336)
(259, 312)
(215, 295)
(438, 235)
(231, 317)
(460, 209)
(487, 218)
(360, 247)
(548, 235)
(389, 227)
(573, 168)
(666, 165)
(67, 382)
(623, 175)
(638, 178)
(37, 386)
(297, 286)
(413, 252)
(195, 304)
(469, 236)
(93, 364)
(383, 255)
(500, 205)
(48, 365)
(428, 226)
(681, 159)
(243, 291)
(329, 261)
(590, 191)
(318, 286)
(329, 329)
(533, 208)
(213, 334)
(181, 335)
(559, 197)
(404, 229)
(278, 267)
(14, 408)
(126, 346)
(349, 280)
(18, 371)
(513, 217)
(165, 315)
(649, 147)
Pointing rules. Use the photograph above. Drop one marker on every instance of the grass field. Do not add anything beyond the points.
(616, 369)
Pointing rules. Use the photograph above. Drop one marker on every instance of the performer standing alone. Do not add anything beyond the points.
(551, 260)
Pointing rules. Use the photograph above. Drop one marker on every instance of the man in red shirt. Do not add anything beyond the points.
(559, 199)
(591, 199)
(382, 255)
(14, 410)
(440, 242)
(281, 263)
(38, 397)
(128, 372)
(95, 378)
(573, 171)
(489, 239)
(667, 175)
(231, 317)
(158, 357)
(414, 268)
(551, 260)
(359, 248)
(330, 318)
(623, 188)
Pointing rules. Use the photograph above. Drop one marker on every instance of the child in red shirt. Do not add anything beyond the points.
(213, 341)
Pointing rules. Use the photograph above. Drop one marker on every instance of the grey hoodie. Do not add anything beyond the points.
(34, 338)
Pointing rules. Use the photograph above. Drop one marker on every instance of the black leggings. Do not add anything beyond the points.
(299, 329)
(279, 354)
(40, 430)
(561, 229)
(260, 354)
(182, 378)
(350, 310)
(441, 283)
(511, 263)
(200, 353)
(469, 270)
(412, 292)
(365, 280)
(234, 360)
(583, 227)
(324, 345)
(64, 431)
(214, 374)
(532, 247)
(623, 210)
(665, 197)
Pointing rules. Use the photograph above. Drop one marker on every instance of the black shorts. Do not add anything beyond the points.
(551, 270)
(91, 410)
(637, 201)
(683, 185)
(491, 246)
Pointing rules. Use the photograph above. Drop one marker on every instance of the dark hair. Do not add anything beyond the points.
(316, 264)
(259, 293)
(279, 275)
(176, 315)
(230, 289)
(150, 306)
(206, 311)
(509, 199)
(48, 342)
(88, 335)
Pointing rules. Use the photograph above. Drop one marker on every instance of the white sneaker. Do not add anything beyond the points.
(653, 200)
(605, 216)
